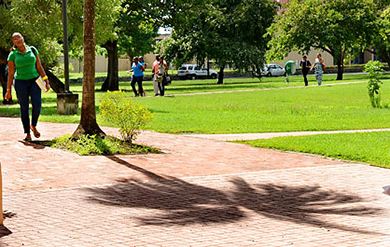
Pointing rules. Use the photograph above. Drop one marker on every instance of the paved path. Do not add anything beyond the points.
(271, 88)
(255, 136)
(199, 192)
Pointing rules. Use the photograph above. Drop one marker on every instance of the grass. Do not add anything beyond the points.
(293, 109)
(301, 109)
(373, 147)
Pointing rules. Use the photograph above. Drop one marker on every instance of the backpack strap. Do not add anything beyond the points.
(34, 50)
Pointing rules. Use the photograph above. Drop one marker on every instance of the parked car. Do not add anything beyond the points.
(273, 70)
(193, 71)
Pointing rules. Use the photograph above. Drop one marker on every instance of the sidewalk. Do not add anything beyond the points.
(199, 192)
(256, 136)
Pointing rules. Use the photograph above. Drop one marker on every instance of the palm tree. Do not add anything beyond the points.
(88, 124)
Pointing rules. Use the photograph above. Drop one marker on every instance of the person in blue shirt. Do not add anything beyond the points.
(138, 75)
(142, 62)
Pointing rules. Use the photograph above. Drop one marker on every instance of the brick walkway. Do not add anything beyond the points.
(200, 192)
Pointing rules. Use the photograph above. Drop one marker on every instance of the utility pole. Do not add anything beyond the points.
(67, 102)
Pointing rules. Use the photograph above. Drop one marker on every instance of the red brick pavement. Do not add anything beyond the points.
(198, 193)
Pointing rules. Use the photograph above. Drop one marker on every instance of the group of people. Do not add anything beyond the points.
(160, 73)
(318, 67)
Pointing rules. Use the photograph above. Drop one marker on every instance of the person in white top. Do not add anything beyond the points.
(160, 75)
(154, 68)
(319, 68)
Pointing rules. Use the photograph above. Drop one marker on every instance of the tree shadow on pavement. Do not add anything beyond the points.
(4, 231)
(178, 202)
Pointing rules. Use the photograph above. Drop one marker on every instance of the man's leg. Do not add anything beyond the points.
(155, 85)
(305, 78)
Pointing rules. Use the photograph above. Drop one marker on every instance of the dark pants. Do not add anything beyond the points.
(161, 86)
(304, 73)
(24, 90)
(138, 80)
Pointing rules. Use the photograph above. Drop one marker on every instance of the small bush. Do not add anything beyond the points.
(96, 145)
(374, 70)
(118, 108)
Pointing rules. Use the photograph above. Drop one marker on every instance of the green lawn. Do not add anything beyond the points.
(284, 108)
(291, 109)
(373, 148)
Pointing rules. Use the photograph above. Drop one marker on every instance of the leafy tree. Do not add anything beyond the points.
(88, 124)
(40, 24)
(381, 41)
(337, 27)
(135, 30)
(138, 27)
(231, 32)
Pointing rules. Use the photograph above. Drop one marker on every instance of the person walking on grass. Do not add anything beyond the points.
(319, 68)
(305, 65)
(138, 75)
(143, 64)
(24, 66)
(160, 74)
(154, 69)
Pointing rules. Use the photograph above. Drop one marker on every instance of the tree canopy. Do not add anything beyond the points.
(230, 32)
(339, 27)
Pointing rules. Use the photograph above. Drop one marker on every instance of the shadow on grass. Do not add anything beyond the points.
(183, 203)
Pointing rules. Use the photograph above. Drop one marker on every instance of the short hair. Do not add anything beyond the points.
(157, 55)
(305, 56)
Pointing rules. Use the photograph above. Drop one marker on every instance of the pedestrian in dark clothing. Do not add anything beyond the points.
(3, 79)
(305, 65)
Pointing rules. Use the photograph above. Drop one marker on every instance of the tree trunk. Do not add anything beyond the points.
(88, 124)
(220, 75)
(340, 67)
(55, 83)
(112, 81)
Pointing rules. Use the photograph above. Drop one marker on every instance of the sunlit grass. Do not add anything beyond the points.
(373, 148)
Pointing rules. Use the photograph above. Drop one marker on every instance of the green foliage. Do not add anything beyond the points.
(374, 70)
(381, 25)
(337, 27)
(96, 145)
(117, 107)
(370, 148)
(38, 21)
(59, 70)
(137, 27)
(229, 32)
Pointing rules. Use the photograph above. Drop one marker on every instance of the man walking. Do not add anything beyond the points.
(305, 65)
(155, 83)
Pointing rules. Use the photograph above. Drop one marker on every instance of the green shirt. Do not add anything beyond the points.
(25, 63)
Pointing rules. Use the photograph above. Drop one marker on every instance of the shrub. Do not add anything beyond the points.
(118, 108)
(96, 145)
(374, 70)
